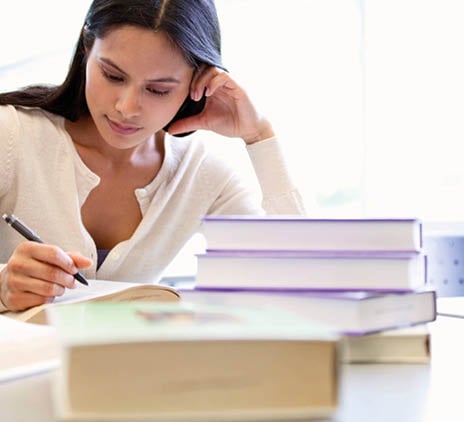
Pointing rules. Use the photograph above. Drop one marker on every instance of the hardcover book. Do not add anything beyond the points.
(403, 345)
(311, 270)
(188, 362)
(347, 313)
(235, 232)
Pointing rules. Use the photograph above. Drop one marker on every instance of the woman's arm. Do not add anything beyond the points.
(280, 195)
(230, 112)
(8, 136)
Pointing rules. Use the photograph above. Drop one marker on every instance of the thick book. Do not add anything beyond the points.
(299, 233)
(404, 345)
(346, 313)
(311, 270)
(100, 291)
(186, 362)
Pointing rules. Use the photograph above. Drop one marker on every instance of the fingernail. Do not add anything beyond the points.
(58, 290)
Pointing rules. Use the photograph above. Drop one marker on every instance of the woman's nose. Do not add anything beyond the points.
(129, 102)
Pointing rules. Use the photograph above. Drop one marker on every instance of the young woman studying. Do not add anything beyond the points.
(99, 166)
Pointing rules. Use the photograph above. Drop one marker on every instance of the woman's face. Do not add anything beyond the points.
(136, 82)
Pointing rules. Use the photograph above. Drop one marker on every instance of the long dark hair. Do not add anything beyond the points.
(192, 25)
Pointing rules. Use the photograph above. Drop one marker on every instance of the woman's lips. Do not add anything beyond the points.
(122, 129)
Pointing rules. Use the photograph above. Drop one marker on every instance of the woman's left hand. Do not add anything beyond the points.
(228, 110)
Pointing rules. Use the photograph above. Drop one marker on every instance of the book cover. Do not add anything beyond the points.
(311, 270)
(347, 313)
(299, 233)
(404, 345)
(193, 362)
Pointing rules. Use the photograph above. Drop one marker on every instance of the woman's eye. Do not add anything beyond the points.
(111, 76)
(157, 91)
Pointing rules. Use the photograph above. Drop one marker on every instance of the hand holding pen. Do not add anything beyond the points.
(37, 272)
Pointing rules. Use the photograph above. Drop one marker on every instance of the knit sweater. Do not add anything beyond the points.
(44, 182)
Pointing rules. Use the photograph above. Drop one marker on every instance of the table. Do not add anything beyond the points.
(368, 392)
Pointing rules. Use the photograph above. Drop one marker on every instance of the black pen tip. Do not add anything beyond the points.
(79, 277)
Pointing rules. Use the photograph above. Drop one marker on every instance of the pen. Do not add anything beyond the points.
(15, 223)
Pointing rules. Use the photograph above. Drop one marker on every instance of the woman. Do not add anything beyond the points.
(94, 165)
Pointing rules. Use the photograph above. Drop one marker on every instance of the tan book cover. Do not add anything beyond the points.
(405, 345)
(186, 362)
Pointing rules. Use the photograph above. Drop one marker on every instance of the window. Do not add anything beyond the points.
(366, 95)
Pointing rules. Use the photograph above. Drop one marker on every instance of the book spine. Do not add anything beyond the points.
(311, 253)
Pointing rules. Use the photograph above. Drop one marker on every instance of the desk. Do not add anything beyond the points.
(368, 393)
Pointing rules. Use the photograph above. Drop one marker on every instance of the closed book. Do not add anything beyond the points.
(346, 313)
(311, 270)
(186, 362)
(299, 233)
(402, 345)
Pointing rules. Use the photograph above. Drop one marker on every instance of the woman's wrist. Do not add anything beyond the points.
(263, 132)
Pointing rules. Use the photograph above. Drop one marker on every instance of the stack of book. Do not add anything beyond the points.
(357, 276)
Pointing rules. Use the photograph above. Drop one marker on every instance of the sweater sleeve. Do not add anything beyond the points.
(8, 128)
(3, 308)
(8, 133)
(280, 195)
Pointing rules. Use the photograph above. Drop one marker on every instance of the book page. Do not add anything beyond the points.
(105, 288)
(101, 290)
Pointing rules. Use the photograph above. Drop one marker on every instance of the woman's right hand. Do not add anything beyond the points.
(36, 273)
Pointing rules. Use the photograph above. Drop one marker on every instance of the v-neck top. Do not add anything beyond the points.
(44, 182)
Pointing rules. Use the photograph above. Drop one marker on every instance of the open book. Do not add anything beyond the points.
(101, 291)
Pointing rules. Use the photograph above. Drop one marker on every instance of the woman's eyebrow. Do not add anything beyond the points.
(167, 79)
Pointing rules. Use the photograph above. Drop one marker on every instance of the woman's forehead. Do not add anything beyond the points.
(141, 49)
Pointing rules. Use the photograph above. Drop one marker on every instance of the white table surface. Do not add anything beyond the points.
(368, 392)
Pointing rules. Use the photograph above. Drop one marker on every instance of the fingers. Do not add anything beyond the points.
(208, 79)
(43, 262)
(18, 301)
(19, 284)
(19, 292)
(228, 110)
(36, 273)
(79, 260)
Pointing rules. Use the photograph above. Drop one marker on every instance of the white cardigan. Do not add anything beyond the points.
(44, 182)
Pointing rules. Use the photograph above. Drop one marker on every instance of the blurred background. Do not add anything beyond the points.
(367, 95)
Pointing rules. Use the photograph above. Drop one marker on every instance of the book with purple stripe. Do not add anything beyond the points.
(311, 270)
(236, 232)
(347, 313)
